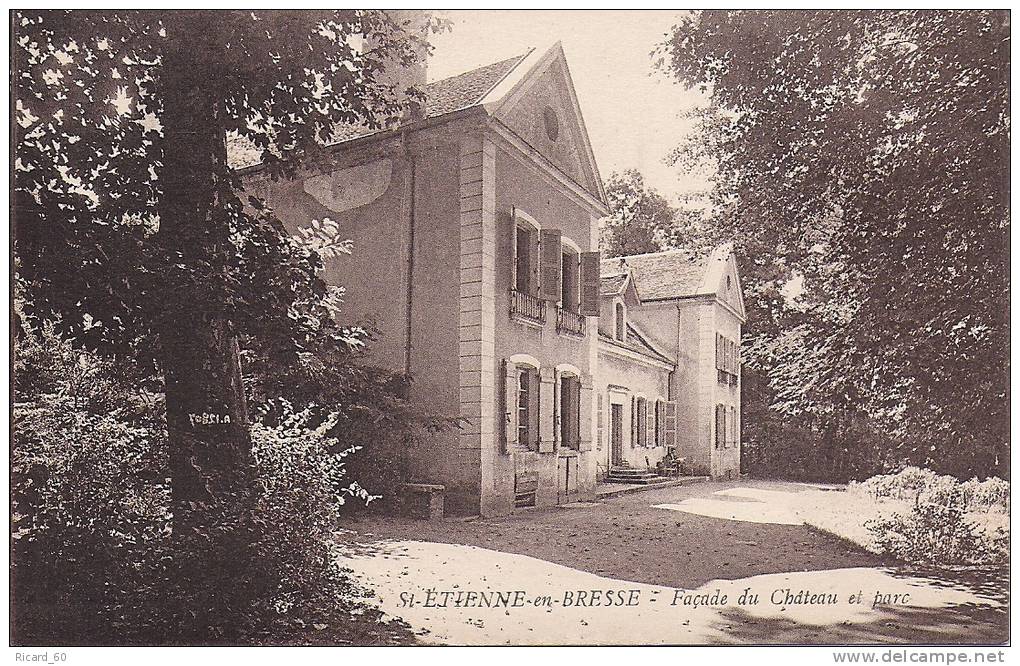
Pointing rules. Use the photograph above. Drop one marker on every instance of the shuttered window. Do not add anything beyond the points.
(633, 422)
(642, 422)
(727, 359)
(669, 424)
(522, 259)
(600, 425)
(658, 422)
(569, 283)
(649, 423)
(551, 264)
(524, 406)
(570, 412)
(720, 426)
(590, 284)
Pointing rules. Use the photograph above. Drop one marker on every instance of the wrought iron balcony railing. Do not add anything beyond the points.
(569, 322)
(527, 306)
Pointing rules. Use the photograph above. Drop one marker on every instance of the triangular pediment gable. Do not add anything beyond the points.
(538, 104)
(723, 279)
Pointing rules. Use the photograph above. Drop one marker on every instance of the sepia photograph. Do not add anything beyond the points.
(412, 327)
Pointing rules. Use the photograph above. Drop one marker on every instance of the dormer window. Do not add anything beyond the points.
(621, 325)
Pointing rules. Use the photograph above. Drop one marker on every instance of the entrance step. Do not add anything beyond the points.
(621, 474)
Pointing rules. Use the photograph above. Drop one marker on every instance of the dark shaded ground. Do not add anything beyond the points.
(626, 539)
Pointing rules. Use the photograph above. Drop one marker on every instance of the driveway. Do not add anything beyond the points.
(671, 566)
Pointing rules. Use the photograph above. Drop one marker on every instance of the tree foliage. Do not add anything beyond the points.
(134, 238)
(865, 155)
(641, 219)
(92, 92)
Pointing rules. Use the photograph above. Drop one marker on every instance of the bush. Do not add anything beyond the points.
(925, 487)
(301, 487)
(992, 494)
(89, 523)
(936, 534)
(943, 490)
(94, 558)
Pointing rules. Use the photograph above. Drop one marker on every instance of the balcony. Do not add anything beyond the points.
(569, 322)
(527, 306)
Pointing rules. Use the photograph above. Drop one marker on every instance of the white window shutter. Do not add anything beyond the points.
(509, 417)
(650, 439)
(537, 442)
(669, 424)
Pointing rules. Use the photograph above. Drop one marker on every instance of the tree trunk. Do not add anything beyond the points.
(207, 420)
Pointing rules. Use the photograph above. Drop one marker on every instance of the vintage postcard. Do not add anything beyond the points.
(511, 328)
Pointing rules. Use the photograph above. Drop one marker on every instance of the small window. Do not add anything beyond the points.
(522, 258)
(620, 324)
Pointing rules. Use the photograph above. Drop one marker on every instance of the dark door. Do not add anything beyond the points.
(616, 439)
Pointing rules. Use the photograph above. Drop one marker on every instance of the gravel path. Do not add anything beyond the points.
(709, 537)
(626, 539)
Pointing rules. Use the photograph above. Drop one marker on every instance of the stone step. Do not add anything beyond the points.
(644, 480)
(633, 475)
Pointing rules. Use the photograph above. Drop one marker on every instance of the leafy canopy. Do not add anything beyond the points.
(865, 154)
(92, 97)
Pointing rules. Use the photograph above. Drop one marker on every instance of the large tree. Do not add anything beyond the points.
(130, 227)
(866, 155)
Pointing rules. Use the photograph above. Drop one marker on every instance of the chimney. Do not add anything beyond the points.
(414, 22)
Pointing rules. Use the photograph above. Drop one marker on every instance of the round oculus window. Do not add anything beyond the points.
(552, 123)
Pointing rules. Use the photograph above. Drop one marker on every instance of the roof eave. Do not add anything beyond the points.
(413, 126)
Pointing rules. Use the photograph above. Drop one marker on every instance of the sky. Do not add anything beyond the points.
(632, 113)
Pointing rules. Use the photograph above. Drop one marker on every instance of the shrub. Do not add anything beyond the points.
(936, 534)
(93, 553)
(301, 486)
(924, 486)
(90, 521)
(944, 491)
(992, 494)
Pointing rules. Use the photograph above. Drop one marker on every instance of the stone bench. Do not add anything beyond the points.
(423, 500)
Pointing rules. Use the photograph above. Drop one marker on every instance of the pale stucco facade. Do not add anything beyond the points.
(493, 331)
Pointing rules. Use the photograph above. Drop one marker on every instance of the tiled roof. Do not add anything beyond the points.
(636, 343)
(441, 97)
(669, 274)
(611, 284)
(634, 338)
(467, 89)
